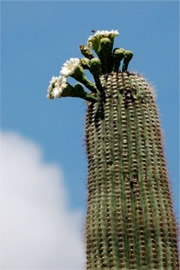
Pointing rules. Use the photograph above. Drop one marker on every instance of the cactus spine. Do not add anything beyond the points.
(130, 222)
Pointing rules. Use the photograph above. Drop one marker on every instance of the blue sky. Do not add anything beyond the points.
(38, 37)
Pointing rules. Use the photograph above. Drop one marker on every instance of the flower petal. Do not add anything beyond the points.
(69, 67)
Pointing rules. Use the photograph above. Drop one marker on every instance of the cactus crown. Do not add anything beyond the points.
(107, 60)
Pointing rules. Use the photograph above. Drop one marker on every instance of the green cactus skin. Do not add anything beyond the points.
(130, 222)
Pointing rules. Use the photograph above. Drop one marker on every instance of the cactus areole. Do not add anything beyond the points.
(130, 223)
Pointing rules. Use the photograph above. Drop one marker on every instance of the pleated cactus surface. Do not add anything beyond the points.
(130, 223)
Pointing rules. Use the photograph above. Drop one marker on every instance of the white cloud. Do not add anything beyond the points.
(38, 231)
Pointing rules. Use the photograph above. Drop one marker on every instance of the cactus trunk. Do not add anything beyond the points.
(130, 222)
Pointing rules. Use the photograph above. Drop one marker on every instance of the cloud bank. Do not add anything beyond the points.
(38, 231)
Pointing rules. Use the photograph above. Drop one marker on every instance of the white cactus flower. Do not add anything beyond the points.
(53, 80)
(106, 33)
(69, 67)
(100, 34)
(56, 86)
(56, 92)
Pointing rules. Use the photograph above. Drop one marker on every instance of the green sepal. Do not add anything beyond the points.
(85, 63)
(80, 76)
(95, 69)
(95, 66)
(82, 94)
(77, 91)
(105, 45)
(118, 55)
(105, 54)
(127, 58)
(86, 51)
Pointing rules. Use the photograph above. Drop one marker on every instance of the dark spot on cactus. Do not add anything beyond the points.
(142, 133)
(121, 91)
(131, 184)
(126, 104)
(109, 163)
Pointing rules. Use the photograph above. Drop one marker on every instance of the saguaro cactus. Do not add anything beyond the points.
(130, 222)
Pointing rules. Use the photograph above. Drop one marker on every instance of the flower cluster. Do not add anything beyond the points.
(93, 41)
(106, 61)
(58, 84)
